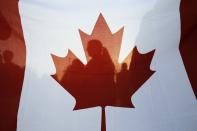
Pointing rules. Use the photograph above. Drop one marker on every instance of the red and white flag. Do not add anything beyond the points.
(104, 65)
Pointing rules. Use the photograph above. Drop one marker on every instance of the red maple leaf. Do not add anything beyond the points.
(103, 81)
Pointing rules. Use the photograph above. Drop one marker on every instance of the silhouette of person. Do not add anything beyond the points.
(72, 78)
(99, 73)
(123, 84)
(123, 74)
(11, 83)
(11, 72)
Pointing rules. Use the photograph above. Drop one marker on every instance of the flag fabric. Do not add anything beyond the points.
(188, 39)
(42, 41)
(12, 63)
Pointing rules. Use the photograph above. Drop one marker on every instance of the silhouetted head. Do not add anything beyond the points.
(77, 65)
(124, 67)
(94, 48)
(8, 56)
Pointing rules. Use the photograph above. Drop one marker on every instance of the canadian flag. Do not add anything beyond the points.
(53, 54)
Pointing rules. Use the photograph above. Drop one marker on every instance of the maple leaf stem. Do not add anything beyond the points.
(103, 119)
